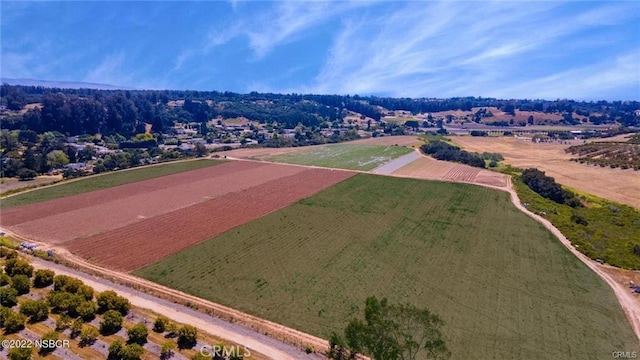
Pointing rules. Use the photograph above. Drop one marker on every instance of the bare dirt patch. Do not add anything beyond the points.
(152, 239)
(428, 168)
(618, 185)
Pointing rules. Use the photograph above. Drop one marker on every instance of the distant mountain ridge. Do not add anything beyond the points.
(62, 84)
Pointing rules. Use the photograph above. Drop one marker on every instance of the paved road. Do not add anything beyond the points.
(215, 326)
(396, 164)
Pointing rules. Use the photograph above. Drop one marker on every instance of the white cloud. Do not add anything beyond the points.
(111, 70)
(447, 49)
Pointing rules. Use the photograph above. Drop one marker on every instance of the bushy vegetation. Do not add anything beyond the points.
(443, 151)
(548, 188)
(601, 229)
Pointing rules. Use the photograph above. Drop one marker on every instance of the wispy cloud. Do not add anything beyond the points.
(110, 70)
(443, 49)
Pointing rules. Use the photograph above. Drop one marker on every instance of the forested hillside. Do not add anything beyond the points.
(125, 112)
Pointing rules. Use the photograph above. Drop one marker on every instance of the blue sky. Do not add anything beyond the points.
(506, 49)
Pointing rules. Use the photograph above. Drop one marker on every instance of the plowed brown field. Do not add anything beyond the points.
(73, 217)
(144, 242)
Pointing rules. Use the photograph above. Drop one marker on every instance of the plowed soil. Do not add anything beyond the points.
(73, 217)
(135, 245)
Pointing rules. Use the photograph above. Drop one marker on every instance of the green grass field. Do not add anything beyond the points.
(506, 288)
(104, 181)
(343, 156)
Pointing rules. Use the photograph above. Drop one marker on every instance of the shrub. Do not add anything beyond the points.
(187, 337)
(160, 324)
(109, 300)
(43, 278)
(88, 335)
(111, 322)
(138, 334)
(14, 322)
(51, 335)
(16, 266)
(21, 283)
(36, 310)
(8, 297)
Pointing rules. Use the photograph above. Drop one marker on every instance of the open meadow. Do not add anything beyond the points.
(619, 185)
(352, 156)
(505, 287)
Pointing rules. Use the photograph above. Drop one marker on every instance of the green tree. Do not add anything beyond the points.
(20, 353)
(21, 283)
(138, 334)
(396, 332)
(187, 337)
(4, 312)
(160, 324)
(8, 297)
(76, 328)
(14, 267)
(25, 174)
(62, 322)
(64, 302)
(109, 300)
(87, 310)
(88, 335)
(111, 322)
(66, 283)
(43, 278)
(132, 352)
(57, 159)
(166, 349)
(116, 349)
(4, 279)
(14, 322)
(36, 310)
(51, 335)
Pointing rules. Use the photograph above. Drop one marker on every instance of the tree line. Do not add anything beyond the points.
(442, 151)
(547, 187)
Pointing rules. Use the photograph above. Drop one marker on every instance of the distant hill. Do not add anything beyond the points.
(62, 84)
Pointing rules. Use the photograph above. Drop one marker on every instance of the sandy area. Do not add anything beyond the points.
(614, 184)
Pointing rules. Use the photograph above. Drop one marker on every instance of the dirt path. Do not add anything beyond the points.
(395, 164)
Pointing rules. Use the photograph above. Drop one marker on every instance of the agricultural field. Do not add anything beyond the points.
(505, 287)
(428, 168)
(157, 217)
(617, 184)
(343, 156)
(103, 181)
